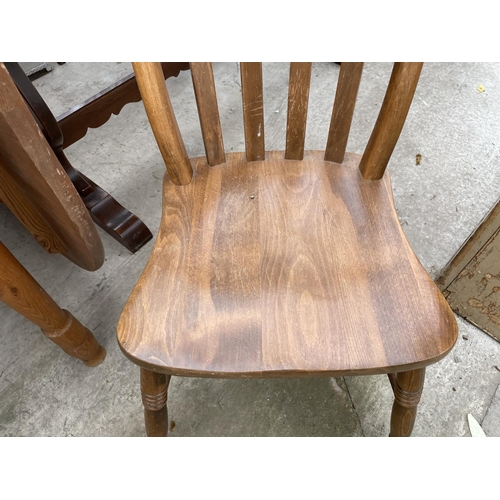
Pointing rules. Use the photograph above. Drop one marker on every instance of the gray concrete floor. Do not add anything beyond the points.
(454, 127)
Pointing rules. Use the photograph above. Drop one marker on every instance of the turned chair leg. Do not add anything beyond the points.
(20, 291)
(407, 387)
(154, 387)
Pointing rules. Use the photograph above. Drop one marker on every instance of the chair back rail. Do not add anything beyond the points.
(162, 119)
(208, 111)
(343, 111)
(298, 100)
(390, 121)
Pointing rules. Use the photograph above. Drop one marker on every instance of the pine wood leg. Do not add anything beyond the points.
(20, 291)
(407, 387)
(154, 387)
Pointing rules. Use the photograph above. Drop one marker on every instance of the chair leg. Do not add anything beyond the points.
(407, 387)
(154, 387)
(124, 226)
(20, 291)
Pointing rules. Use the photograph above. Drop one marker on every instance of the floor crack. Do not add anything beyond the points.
(489, 404)
(353, 406)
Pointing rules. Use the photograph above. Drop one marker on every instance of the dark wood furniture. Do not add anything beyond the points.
(106, 212)
(282, 264)
(35, 188)
(94, 112)
(97, 110)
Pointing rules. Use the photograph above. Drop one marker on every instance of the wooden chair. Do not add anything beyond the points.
(272, 264)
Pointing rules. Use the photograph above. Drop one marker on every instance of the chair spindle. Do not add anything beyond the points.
(298, 99)
(253, 110)
(208, 111)
(343, 110)
(161, 116)
(390, 121)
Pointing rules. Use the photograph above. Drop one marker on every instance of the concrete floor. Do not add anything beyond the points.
(454, 127)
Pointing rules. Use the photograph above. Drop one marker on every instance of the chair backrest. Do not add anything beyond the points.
(381, 144)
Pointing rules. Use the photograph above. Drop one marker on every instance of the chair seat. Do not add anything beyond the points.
(283, 268)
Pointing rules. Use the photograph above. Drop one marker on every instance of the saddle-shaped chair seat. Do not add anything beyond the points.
(283, 268)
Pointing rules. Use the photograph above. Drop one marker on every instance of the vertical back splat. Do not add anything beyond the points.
(253, 110)
(208, 111)
(298, 99)
(343, 110)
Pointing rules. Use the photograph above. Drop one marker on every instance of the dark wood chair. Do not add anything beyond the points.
(282, 264)
(73, 125)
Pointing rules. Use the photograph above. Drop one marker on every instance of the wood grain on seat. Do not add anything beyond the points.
(279, 268)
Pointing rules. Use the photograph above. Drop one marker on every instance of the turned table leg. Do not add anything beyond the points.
(154, 387)
(407, 387)
(20, 291)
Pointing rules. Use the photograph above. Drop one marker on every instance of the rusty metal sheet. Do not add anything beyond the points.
(470, 248)
(475, 292)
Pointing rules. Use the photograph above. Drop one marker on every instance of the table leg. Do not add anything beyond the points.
(20, 291)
